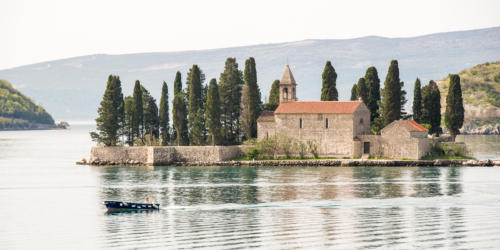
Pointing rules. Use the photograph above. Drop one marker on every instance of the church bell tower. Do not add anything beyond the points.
(288, 86)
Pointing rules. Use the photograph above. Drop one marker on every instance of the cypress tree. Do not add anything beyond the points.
(150, 114)
(177, 83)
(403, 101)
(179, 113)
(417, 102)
(128, 122)
(231, 81)
(362, 90)
(110, 119)
(329, 88)
(431, 107)
(392, 94)
(212, 113)
(194, 82)
(373, 85)
(274, 96)
(137, 119)
(197, 136)
(252, 100)
(354, 92)
(164, 118)
(454, 116)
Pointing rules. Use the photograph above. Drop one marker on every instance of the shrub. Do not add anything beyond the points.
(254, 154)
(285, 144)
(301, 149)
(313, 148)
(267, 147)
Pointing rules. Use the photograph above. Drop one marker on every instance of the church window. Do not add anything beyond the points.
(326, 122)
(285, 93)
(300, 122)
(361, 121)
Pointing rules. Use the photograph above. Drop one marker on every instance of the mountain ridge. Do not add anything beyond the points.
(71, 88)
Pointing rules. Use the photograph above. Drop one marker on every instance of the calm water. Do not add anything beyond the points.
(47, 202)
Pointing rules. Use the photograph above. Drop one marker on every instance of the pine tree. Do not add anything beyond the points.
(179, 114)
(110, 119)
(373, 85)
(417, 102)
(137, 119)
(362, 90)
(251, 100)
(274, 96)
(230, 97)
(212, 114)
(392, 94)
(431, 107)
(329, 88)
(128, 123)
(454, 116)
(194, 84)
(354, 92)
(150, 114)
(164, 118)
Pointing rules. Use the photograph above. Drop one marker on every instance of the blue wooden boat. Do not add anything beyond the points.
(121, 205)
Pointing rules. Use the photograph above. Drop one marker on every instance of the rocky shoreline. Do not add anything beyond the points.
(317, 163)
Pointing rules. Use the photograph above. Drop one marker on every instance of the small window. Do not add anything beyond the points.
(300, 122)
(361, 121)
(326, 122)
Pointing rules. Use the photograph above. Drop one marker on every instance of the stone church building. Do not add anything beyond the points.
(339, 128)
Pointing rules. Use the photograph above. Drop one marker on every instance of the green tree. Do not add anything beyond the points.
(274, 96)
(354, 92)
(177, 83)
(403, 101)
(417, 102)
(138, 119)
(251, 100)
(231, 81)
(179, 117)
(329, 88)
(197, 130)
(392, 94)
(454, 116)
(431, 107)
(164, 118)
(373, 85)
(150, 114)
(129, 118)
(212, 114)
(110, 119)
(362, 90)
(194, 84)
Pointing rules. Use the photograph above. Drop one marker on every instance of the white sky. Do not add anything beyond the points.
(36, 31)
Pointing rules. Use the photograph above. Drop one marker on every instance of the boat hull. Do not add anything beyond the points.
(120, 205)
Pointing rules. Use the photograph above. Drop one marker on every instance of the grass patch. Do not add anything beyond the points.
(447, 157)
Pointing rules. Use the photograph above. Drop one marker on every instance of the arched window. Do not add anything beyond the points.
(326, 123)
(361, 121)
(300, 122)
(285, 93)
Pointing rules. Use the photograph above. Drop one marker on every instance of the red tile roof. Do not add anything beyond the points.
(319, 107)
(416, 127)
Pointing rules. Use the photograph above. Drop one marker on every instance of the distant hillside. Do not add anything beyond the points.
(480, 90)
(72, 88)
(20, 112)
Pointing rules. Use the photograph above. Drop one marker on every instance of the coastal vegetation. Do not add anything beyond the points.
(18, 111)
(454, 115)
(329, 87)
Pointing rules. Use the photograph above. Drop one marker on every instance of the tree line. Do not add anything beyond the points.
(225, 113)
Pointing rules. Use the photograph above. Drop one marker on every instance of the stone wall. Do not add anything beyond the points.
(163, 155)
(396, 146)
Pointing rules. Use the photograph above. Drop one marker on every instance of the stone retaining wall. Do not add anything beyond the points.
(156, 156)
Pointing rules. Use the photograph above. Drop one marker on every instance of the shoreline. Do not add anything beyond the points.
(318, 163)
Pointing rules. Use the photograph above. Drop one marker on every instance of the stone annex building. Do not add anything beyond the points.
(340, 128)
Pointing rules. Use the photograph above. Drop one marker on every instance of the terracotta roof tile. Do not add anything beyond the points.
(416, 127)
(318, 107)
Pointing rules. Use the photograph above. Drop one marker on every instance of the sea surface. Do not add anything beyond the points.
(48, 202)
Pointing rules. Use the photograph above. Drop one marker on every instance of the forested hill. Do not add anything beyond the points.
(480, 90)
(19, 112)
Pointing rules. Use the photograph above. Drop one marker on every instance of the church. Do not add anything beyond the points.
(339, 128)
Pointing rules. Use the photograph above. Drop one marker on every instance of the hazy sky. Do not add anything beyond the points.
(36, 31)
